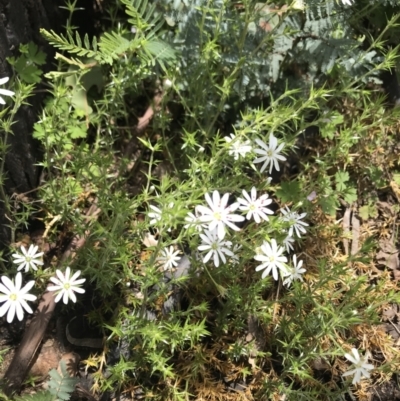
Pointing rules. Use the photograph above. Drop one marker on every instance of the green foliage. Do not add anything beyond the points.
(114, 45)
(290, 191)
(252, 69)
(396, 178)
(39, 396)
(28, 63)
(143, 17)
(342, 186)
(368, 211)
(60, 386)
(52, 131)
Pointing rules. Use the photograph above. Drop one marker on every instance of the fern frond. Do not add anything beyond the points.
(61, 385)
(70, 45)
(160, 50)
(156, 51)
(112, 45)
(156, 29)
(143, 15)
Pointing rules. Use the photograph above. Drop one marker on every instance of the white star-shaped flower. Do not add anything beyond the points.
(66, 286)
(347, 2)
(295, 221)
(5, 92)
(287, 242)
(272, 259)
(169, 258)
(235, 258)
(29, 259)
(295, 273)
(194, 221)
(161, 215)
(15, 297)
(254, 207)
(215, 246)
(155, 215)
(361, 366)
(219, 215)
(269, 154)
(237, 147)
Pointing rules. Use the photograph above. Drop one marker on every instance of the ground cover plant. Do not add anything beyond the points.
(228, 176)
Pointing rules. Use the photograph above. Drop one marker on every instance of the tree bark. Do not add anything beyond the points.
(20, 22)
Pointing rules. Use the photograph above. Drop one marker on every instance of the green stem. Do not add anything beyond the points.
(221, 290)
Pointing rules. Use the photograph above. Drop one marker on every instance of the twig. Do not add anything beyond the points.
(144, 121)
(355, 230)
(394, 326)
(346, 230)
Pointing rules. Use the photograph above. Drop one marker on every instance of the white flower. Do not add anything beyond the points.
(163, 215)
(194, 221)
(235, 258)
(361, 367)
(347, 2)
(295, 273)
(5, 92)
(255, 207)
(269, 153)
(294, 220)
(169, 258)
(15, 297)
(167, 83)
(237, 148)
(272, 259)
(287, 242)
(218, 214)
(298, 4)
(155, 216)
(215, 246)
(66, 286)
(29, 259)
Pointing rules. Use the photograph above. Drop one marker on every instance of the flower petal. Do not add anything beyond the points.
(4, 308)
(59, 295)
(24, 305)
(27, 287)
(18, 281)
(75, 276)
(72, 295)
(65, 297)
(77, 289)
(4, 289)
(8, 283)
(11, 312)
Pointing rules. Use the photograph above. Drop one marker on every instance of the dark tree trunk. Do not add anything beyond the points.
(20, 22)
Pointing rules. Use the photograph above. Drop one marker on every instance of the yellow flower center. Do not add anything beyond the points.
(217, 216)
(67, 286)
(13, 297)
